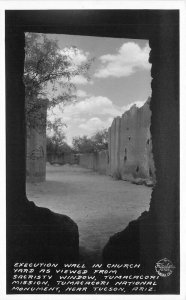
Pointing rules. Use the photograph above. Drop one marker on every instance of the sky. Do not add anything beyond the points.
(119, 78)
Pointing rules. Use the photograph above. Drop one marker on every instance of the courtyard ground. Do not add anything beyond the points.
(100, 205)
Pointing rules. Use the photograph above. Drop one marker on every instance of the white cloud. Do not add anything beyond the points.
(137, 103)
(140, 103)
(81, 94)
(89, 115)
(88, 126)
(93, 124)
(86, 116)
(90, 107)
(93, 106)
(127, 61)
(80, 79)
(76, 55)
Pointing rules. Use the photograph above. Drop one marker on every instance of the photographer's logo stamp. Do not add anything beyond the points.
(164, 267)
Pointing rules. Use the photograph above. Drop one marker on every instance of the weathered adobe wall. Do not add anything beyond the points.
(63, 158)
(130, 146)
(36, 149)
(101, 162)
(95, 161)
(86, 160)
(129, 155)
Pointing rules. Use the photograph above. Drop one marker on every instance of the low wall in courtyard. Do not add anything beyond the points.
(98, 161)
(63, 158)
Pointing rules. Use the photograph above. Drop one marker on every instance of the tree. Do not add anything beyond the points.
(82, 144)
(96, 143)
(56, 143)
(56, 149)
(100, 140)
(46, 67)
(46, 63)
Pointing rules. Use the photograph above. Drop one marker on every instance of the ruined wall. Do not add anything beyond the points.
(101, 162)
(130, 145)
(63, 158)
(98, 161)
(129, 155)
(86, 160)
(36, 147)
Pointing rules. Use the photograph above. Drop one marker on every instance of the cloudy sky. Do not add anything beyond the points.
(119, 77)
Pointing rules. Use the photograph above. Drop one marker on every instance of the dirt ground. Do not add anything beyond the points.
(100, 205)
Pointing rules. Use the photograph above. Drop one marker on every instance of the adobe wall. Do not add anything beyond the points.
(114, 145)
(129, 155)
(63, 158)
(98, 161)
(130, 145)
(86, 160)
(36, 148)
(102, 162)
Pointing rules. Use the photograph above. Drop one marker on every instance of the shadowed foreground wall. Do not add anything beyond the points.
(155, 235)
(33, 233)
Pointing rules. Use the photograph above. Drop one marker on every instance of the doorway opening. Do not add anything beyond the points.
(82, 112)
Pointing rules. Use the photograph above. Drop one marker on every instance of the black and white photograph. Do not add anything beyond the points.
(92, 152)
